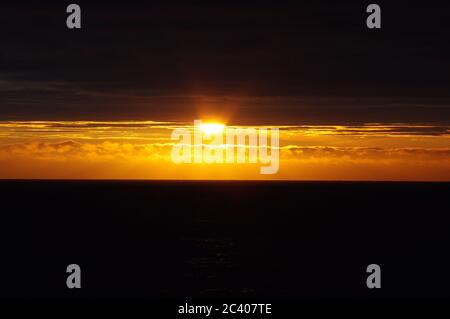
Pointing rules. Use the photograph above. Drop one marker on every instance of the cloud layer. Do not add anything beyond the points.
(130, 150)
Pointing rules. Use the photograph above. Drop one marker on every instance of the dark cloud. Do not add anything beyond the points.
(375, 130)
(149, 60)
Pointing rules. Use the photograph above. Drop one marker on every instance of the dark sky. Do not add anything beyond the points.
(251, 61)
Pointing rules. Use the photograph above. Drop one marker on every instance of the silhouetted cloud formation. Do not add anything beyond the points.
(257, 61)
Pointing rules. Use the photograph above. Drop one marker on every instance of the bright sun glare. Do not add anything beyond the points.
(212, 128)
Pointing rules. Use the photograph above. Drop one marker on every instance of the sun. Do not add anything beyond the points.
(212, 128)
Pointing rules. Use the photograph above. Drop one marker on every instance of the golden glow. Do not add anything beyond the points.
(142, 150)
(212, 128)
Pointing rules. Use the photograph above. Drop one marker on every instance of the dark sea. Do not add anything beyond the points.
(233, 239)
